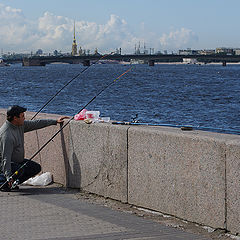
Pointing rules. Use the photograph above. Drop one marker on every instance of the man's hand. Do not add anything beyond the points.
(61, 119)
(10, 183)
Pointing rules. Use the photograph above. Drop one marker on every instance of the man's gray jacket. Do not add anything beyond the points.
(12, 142)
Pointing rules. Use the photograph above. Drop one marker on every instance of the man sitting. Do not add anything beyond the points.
(12, 147)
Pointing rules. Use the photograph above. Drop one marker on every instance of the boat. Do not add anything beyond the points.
(137, 61)
(108, 62)
(190, 60)
(3, 64)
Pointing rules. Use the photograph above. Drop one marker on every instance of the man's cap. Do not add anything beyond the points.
(15, 110)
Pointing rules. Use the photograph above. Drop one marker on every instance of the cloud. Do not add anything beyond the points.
(178, 39)
(54, 32)
(114, 34)
(57, 32)
(50, 32)
(13, 29)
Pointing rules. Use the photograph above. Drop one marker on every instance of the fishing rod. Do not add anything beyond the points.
(85, 69)
(183, 127)
(65, 85)
(64, 125)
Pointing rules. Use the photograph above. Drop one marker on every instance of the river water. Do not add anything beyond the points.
(198, 95)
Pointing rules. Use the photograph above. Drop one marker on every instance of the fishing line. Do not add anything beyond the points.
(64, 125)
(64, 86)
(85, 69)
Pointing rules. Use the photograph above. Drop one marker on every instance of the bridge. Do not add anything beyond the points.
(150, 59)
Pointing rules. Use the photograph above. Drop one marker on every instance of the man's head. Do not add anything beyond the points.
(15, 115)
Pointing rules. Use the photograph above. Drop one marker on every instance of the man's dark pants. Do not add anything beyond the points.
(29, 170)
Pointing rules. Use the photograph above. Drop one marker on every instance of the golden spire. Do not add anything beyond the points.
(74, 44)
(74, 38)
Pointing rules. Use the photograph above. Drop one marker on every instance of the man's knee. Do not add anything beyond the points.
(37, 168)
(33, 168)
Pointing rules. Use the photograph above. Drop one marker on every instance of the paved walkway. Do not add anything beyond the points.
(52, 213)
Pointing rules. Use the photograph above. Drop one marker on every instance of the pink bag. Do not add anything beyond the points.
(81, 115)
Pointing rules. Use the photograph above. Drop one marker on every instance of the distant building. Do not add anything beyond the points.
(81, 52)
(141, 50)
(39, 52)
(137, 49)
(118, 51)
(237, 51)
(188, 51)
(207, 52)
(74, 44)
(224, 50)
(96, 53)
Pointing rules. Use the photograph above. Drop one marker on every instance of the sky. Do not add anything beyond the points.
(29, 25)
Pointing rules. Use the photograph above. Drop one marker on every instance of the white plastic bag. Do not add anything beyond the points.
(40, 180)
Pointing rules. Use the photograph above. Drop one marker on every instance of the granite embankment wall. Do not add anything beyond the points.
(193, 175)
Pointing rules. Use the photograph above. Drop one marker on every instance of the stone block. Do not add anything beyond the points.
(98, 159)
(233, 185)
(53, 157)
(3, 116)
(178, 173)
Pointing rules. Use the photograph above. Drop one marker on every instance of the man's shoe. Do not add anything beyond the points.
(5, 188)
(3, 181)
(15, 188)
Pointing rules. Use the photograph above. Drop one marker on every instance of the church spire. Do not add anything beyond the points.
(74, 37)
(74, 44)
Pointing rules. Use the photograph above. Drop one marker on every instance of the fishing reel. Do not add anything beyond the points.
(135, 119)
(10, 183)
(13, 181)
(15, 184)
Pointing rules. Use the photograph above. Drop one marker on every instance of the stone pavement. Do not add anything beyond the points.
(52, 213)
